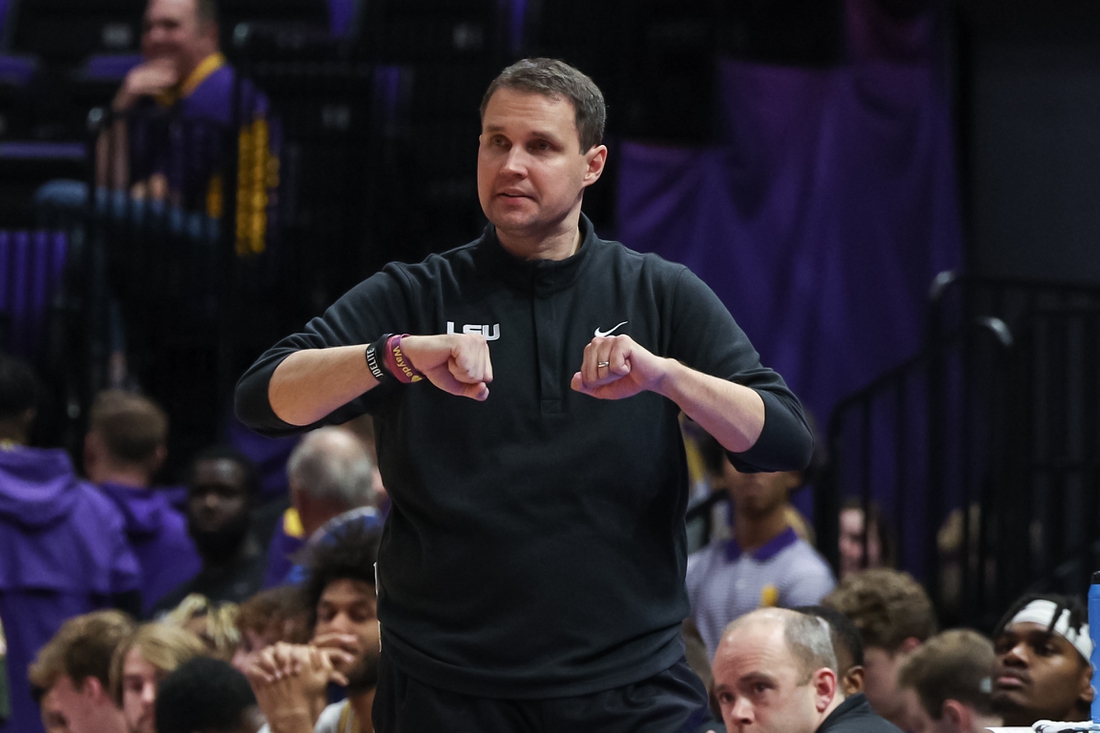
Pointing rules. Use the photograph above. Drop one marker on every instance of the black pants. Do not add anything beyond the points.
(669, 702)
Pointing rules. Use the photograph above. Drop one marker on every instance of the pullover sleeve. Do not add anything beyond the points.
(705, 337)
(377, 305)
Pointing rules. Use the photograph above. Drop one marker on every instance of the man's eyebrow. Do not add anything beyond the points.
(757, 676)
(534, 133)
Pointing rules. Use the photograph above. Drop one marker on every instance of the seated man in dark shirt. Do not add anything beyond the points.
(221, 490)
(775, 672)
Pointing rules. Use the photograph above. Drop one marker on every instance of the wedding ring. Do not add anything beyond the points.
(602, 364)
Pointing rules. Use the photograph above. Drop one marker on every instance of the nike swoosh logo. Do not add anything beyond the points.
(601, 334)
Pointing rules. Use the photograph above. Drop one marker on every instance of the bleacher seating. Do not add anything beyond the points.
(32, 269)
(66, 31)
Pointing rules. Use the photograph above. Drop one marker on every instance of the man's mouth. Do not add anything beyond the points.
(1010, 680)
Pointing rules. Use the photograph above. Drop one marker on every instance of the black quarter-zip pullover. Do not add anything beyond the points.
(536, 545)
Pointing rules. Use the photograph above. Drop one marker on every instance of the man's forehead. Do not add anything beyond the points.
(166, 10)
(511, 108)
(748, 647)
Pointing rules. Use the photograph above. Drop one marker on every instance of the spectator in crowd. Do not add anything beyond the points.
(206, 696)
(1042, 671)
(76, 667)
(894, 615)
(48, 658)
(276, 614)
(215, 624)
(765, 563)
(53, 720)
(330, 474)
(848, 645)
(63, 551)
(946, 684)
(125, 446)
(141, 662)
(856, 529)
(221, 489)
(775, 672)
(341, 596)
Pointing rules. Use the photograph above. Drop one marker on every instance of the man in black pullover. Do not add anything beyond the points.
(531, 571)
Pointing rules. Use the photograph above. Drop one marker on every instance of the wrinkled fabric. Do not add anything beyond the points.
(63, 552)
(825, 209)
(157, 532)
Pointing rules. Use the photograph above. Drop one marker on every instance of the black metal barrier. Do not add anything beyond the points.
(978, 455)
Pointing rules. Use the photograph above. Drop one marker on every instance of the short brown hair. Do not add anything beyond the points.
(887, 606)
(132, 427)
(954, 665)
(165, 647)
(82, 648)
(557, 80)
(277, 611)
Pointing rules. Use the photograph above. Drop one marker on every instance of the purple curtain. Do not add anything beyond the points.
(824, 211)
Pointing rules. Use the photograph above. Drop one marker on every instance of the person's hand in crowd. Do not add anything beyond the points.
(342, 649)
(290, 682)
(455, 363)
(146, 79)
(614, 367)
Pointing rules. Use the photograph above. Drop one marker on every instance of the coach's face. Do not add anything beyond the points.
(531, 171)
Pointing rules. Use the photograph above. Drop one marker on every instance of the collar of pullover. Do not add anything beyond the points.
(539, 277)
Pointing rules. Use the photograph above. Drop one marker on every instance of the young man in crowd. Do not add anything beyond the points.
(341, 596)
(126, 443)
(63, 551)
(775, 672)
(946, 684)
(765, 563)
(221, 490)
(206, 695)
(1042, 670)
(75, 667)
(141, 662)
(894, 615)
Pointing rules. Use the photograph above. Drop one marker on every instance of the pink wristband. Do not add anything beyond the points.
(398, 364)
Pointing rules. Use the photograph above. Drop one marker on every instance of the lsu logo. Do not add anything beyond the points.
(489, 334)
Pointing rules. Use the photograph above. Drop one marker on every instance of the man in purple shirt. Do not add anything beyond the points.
(124, 448)
(63, 551)
(179, 103)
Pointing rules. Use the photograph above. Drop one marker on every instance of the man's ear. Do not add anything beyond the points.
(958, 714)
(597, 159)
(92, 689)
(824, 684)
(159, 455)
(1086, 684)
(908, 645)
(853, 680)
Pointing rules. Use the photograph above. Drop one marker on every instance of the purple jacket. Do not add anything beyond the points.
(158, 536)
(62, 553)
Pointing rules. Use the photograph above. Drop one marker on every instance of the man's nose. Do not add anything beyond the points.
(516, 160)
(149, 692)
(1016, 656)
(742, 711)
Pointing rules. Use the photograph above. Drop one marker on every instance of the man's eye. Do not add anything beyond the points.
(725, 697)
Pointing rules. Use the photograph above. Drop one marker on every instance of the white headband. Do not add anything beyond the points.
(1042, 613)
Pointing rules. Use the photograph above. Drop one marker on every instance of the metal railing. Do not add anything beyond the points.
(979, 454)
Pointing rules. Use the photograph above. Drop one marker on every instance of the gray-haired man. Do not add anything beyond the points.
(775, 672)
